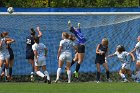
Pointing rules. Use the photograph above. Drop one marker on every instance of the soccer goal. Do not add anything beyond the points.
(119, 27)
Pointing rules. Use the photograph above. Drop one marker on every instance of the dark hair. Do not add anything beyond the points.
(3, 34)
(36, 39)
(120, 48)
(71, 37)
(32, 31)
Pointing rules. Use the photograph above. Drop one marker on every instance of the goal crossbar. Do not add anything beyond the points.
(71, 13)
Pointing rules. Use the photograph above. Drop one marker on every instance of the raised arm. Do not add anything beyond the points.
(111, 55)
(9, 40)
(134, 50)
(133, 57)
(39, 32)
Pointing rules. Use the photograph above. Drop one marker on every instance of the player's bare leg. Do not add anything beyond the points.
(80, 60)
(68, 64)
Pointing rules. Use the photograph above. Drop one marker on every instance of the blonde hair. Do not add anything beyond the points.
(66, 35)
(106, 41)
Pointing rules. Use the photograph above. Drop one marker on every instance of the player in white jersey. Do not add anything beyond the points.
(137, 50)
(4, 54)
(65, 54)
(123, 57)
(40, 53)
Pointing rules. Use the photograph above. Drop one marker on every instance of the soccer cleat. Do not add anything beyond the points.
(69, 22)
(56, 81)
(45, 79)
(109, 80)
(78, 25)
(76, 74)
(69, 82)
(49, 81)
(98, 82)
(125, 80)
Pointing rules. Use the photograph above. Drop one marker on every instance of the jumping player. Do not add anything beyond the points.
(79, 56)
(137, 50)
(4, 54)
(122, 56)
(29, 51)
(40, 53)
(65, 54)
(101, 53)
(11, 59)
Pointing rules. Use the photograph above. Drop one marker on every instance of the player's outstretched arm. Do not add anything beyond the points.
(39, 32)
(9, 40)
(132, 56)
(134, 50)
(111, 55)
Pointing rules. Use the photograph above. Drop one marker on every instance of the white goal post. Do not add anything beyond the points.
(71, 13)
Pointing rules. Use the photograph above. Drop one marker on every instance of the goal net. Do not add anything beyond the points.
(119, 28)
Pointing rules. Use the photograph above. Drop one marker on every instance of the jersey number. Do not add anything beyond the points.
(67, 46)
(28, 41)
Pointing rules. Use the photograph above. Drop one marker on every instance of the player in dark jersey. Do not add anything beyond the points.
(79, 56)
(29, 51)
(101, 53)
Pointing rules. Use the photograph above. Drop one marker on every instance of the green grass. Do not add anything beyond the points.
(70, 88)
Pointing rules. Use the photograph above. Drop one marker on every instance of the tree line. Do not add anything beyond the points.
(69, 3)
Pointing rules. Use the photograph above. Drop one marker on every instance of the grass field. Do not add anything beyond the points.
(91, 87)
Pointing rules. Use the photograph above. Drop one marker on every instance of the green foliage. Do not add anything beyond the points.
(70, 3)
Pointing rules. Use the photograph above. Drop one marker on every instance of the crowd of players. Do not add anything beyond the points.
(36, 53)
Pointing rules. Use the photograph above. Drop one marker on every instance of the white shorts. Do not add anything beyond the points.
(4, 56)
(66, 56)
(41, 61)
(138, 59)
(126, 66)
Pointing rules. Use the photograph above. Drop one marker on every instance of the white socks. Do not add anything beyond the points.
(47, 74)
(69, 76)
(40, 74)
(123, 76)
(58, 73)
(6, 72)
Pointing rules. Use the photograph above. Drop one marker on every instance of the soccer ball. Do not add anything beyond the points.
(10, 10)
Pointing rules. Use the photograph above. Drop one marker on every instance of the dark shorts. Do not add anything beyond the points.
(100, 61)
(29, 55)
(11, 54)
(81, 48)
